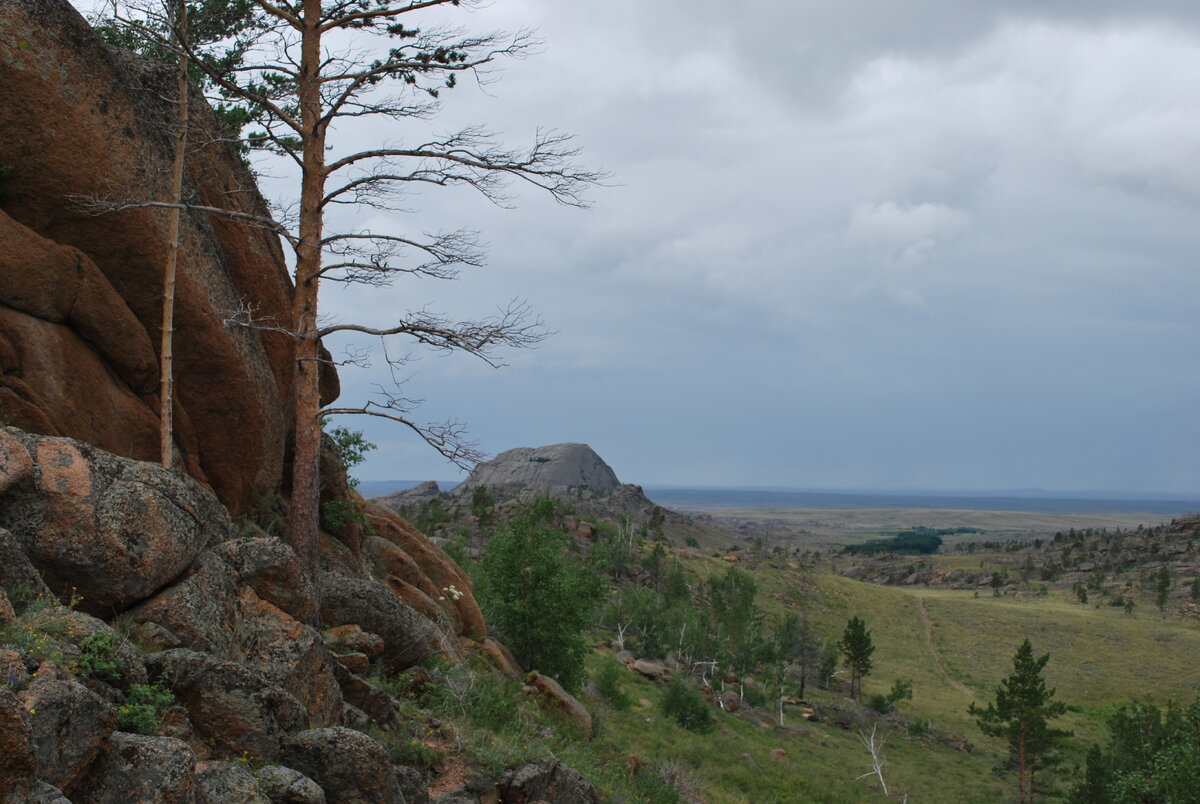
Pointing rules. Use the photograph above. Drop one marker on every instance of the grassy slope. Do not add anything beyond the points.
(1100, 656)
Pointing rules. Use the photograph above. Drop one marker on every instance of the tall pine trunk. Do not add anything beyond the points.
(166, 359)
(305, 519)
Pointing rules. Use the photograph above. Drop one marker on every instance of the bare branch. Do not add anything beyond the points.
(93, 205)
(469, 158)
(246, 316)
(448, 438)
(515, 326)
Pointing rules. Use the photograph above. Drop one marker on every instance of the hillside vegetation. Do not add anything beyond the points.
(951, 645)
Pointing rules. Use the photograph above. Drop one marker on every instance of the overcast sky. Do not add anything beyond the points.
(929, 244)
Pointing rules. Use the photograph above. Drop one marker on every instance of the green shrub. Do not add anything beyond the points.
(608, 681)
(339, 514)
(142, 711)
(879, 703)
(685, 703)
(494, 703)
(754, 696)
(99, 659)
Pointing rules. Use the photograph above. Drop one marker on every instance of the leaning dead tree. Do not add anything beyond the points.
(306, 67)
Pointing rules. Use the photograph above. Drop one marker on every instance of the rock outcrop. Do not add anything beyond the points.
(559, 470)
(79, 297)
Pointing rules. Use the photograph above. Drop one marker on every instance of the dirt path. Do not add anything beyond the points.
(937, 657)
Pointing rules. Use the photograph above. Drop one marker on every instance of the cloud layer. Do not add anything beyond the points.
(851, 244)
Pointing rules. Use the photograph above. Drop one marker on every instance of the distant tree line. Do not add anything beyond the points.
(914, 541)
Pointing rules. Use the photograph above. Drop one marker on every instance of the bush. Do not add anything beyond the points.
(879, 703)
(99, 657)
(685, 703)
(142, 711)
(608, 681)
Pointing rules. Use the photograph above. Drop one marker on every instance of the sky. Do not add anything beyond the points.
(853, 244)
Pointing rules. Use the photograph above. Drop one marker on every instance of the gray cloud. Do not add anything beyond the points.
(863, 243)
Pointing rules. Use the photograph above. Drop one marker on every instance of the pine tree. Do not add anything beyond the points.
(1020, 716)
(856, 648)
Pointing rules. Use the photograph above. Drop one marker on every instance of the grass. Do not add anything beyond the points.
(1100, 657)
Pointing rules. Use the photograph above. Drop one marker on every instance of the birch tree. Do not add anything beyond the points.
(303, 67)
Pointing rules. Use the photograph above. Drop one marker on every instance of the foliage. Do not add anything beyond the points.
(142, 711)
(537, 599)
(216, 33)
(684, 702)
(481, 506)
(339, 514)
(1162, 586)
(1151, 756)
(915, 541)
(1019, 716)
(608, 680)
(98, 657)
(352, 448)
(856, 647)
(827, 663)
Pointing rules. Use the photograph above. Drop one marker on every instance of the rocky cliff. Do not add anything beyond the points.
(81, 295)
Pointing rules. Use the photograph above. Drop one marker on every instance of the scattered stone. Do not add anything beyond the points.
(650, 668)
(287, 786)
(352, 639)
(413, 785)
(350, 767)
(354, 662)
(502, 658)
(227, 783)
(7, 615)
(369, 604)
(288, 653)
(136, 769)
(546, 780)
(16, 571)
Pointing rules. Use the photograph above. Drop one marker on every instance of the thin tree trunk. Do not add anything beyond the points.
(305, 516)
(166, 360)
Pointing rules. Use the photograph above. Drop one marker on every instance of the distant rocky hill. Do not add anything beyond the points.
(568, 472)
(559, 470)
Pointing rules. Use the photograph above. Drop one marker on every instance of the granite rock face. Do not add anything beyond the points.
(80, 304)
(556, 470)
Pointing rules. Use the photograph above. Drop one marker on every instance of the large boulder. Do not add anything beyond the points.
(289, 654)
(197, 612)
(558, 699)
(80, 307)
(69, 725)
(18, 761)
(271, 568)
(111, 529)
(231, 707)
(357, 601)
(349, 766)
(136, 769)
